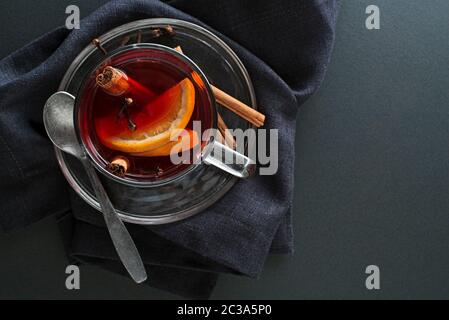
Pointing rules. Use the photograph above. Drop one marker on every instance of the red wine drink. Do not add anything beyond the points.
(130, 106)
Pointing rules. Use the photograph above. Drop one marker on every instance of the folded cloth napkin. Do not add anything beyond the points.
(284, 44)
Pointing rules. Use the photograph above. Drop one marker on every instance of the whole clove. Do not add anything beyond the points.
(124, 112)
(156, 33)
(169, 30)
(158, 171)
(139, 36)
(125, 41)
(96, 42)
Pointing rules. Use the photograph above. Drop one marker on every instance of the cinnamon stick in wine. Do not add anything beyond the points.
(119, 166)
(113, 81)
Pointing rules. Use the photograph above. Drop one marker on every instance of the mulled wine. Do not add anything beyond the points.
(130, 106)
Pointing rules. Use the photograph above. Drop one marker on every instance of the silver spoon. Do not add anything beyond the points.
(58, 121)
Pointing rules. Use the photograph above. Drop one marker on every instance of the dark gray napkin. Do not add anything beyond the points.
(285, 45)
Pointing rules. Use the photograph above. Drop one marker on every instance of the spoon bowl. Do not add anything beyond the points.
(59, 124)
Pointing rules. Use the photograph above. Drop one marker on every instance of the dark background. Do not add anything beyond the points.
(372, 169)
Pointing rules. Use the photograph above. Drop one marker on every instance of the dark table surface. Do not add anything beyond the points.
(372, 170)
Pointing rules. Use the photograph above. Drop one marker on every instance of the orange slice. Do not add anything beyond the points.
(187, 140)
(155, 121)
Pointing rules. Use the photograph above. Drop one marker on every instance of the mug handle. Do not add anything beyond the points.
(219, 155)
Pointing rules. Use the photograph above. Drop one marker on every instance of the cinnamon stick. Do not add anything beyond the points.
(113, 81)
(236, 106)
(119, 166)
(220, 138)
(224, 130)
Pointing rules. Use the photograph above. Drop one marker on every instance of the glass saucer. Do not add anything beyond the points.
(175, 199)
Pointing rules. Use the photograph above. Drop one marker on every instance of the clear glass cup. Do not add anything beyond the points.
(168, 67)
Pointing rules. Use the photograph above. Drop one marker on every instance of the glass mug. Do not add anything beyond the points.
(151, 69)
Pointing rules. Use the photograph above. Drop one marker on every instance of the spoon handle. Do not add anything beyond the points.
(124, 244)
